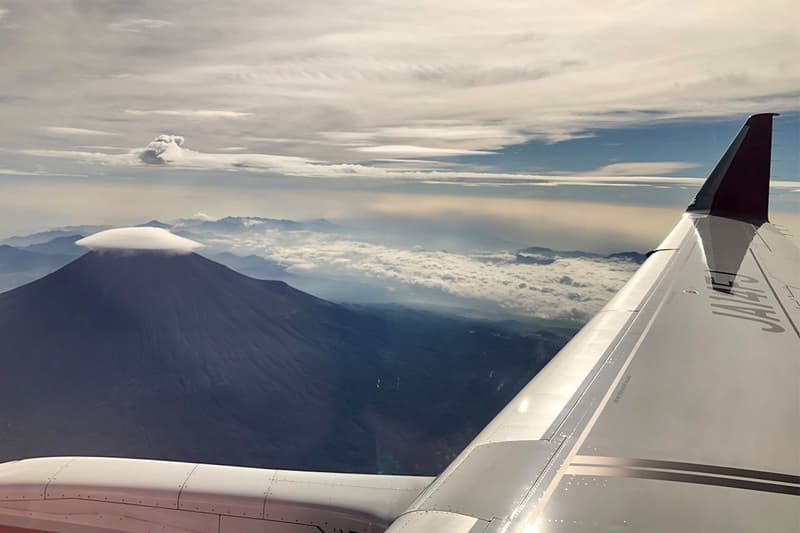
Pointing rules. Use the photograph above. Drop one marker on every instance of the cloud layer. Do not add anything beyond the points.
(170, 150)
(68, 132)
(506, 283)
(436, 75)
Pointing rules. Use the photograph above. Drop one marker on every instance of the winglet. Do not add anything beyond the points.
(738, 187)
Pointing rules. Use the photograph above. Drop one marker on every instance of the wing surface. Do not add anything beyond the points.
(108, 494)
(677, 408)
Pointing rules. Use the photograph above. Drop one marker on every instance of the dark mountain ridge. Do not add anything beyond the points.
(64, 246)
(165, 356)
(540, 255)
(18, 260)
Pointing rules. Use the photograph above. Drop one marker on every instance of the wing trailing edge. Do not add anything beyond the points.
(738, 187)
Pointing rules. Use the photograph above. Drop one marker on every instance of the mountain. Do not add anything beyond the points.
(48, 235)
(20, 266)
(64, 246)
(178, 357)
(154, 224)
(16, 260)
(232, 225)
(633, 257)
(539, 255)
(249, 265)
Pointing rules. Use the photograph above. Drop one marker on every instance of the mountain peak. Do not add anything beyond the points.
(138, 239)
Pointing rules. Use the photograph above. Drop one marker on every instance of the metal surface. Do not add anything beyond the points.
(150, 483)
(438, 521)
(92, 493)
(357, 498)
(675, 387)
(689, 416)
(493, 477)
(606, 504)
(226, 490)
(669, 405)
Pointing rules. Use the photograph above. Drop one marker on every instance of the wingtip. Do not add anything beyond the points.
(738, 187)
(760, 118)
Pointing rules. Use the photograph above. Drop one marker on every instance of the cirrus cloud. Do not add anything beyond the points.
(189, 113)
(642, 168)
(441, 74)
(404, 150)
(69, 132)
(137, 25)
(170, 150)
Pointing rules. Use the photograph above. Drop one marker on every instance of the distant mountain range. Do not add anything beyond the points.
(49, 235)
(23, 264)
(52, 249)
(228, 225)
(179, 357)
(537, 255)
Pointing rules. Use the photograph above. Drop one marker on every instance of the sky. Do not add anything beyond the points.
(469, 125)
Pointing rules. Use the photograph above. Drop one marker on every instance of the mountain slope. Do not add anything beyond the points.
(179, 357)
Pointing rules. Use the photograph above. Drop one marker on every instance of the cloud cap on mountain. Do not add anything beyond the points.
(143, 239)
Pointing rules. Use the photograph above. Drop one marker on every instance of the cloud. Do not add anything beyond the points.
(144, 238)
(485, 281)
(189, 113)
(644, 168)
(137, 25)
(101, 147)
(15, 172)
(69, 132)
(162, 150)
(170, 150)
(203, 217)
(450, 130)
(400, 150)
(443, 131)
(101, 158)
(443, 74)
(348, 138)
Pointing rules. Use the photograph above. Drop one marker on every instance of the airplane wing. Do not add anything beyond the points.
(72, 494)
(676, 408)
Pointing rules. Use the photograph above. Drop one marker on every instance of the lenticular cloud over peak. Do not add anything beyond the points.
(141, 239)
